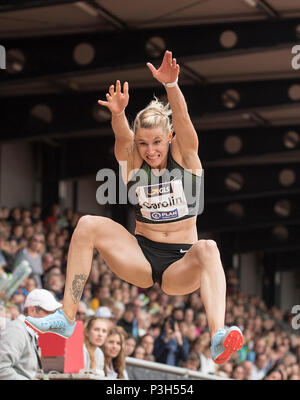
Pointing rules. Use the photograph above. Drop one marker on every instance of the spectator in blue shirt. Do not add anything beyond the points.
(171, 347)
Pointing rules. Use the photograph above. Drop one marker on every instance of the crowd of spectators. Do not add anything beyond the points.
(146, 323)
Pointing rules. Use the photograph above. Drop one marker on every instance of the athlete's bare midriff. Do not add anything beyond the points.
(173, 232)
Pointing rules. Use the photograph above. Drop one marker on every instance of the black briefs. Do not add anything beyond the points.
(161, 255)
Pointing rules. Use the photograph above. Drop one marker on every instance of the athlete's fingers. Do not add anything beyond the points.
(111, 90)
(103, 103)
(152, 68)
(126, 88)
(118, 86)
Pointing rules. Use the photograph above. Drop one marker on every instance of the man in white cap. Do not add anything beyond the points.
(19, 358)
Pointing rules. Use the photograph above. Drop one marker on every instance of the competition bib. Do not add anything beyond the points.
(163, 202)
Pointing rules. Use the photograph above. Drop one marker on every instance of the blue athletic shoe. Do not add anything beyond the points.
(225, 342)
(54, 323)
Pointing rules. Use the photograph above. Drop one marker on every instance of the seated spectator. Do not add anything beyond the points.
(193, 362)
(248, 366)
(170, 347)
(147, 341)
(19, 359)
(95, 333)
(129, 321)
(130, 344)
(259, 348)
(224, 370)
(238, 372)
(32, 253)
(259, 369)
(81, 313)
(17, 233)
(139, 353)
(114, 355)
(36, 212)
(274, 374)
(55, 282)
(100, 293)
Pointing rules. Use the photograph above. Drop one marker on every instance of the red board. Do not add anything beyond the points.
(71, 349)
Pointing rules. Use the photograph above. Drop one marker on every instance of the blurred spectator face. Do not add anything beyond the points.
(18, 298)
(28, 232)
(36, 243)
(81, 312)
(30, 284)
(199, 346)
(25, 214)
(247, 369)
(106, 280)
(139, 352)
(130, 346)
(18, 231)
(47, 261)
(152, 294)
(125, 297)
(178, 314)
(13, 247)
(227, 368)
(274, 376)
(201, 320)
(238, 373)
(294, 377)
(36, 211)
(252, 312)
(128, 316)
(191, 332)
(16, 214)
(112, 346)
(261, 361)
(14, 312)
(134, 292)
(38, 227)
(148, 343)
(5, 212)
(51, 239)
(117, 295)
(259, 346)
(155, 331)
(163, 299)
(115, 284)
(96, 332)
(189, 315)
(104, 292)
(60, 241)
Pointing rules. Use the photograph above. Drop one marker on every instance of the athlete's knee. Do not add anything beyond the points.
(87, 227)
(206, 248)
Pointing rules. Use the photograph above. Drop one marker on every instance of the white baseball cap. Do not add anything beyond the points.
(42, 298)
(103, 312)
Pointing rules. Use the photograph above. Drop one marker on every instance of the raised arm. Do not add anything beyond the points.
(167, 73)
(117, 103)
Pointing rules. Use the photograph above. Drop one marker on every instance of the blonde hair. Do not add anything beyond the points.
(155, 115)
(118, 362)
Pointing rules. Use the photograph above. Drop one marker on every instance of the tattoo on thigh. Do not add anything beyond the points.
(77, 287)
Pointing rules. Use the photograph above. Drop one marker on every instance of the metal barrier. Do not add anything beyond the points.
(147, 370)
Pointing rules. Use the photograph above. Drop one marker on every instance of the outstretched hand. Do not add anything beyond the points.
(116, 100)
(168, 71)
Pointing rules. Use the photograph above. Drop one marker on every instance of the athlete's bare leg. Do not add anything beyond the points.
(118, 248)
(201, 267)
